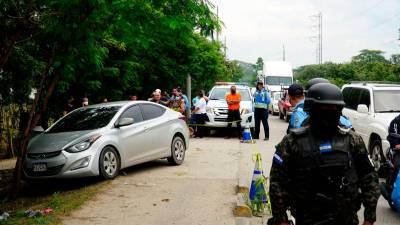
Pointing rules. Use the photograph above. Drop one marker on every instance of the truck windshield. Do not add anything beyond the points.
(220, 94)
(387, 101)
(284, 81)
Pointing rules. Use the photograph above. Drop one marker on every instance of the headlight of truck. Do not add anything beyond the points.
(246, 111)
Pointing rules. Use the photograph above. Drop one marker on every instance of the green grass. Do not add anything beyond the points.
(62, 198)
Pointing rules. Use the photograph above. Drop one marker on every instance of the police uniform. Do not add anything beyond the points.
(298, 116)
(323, 179)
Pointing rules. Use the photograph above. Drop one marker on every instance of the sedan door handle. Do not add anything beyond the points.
(146, 129)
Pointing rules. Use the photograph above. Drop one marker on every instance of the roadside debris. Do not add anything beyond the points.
(34, 213)
(4, 216)
(145, 185)
(165, 200)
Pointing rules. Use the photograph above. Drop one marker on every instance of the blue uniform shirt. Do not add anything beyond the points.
(298, 116)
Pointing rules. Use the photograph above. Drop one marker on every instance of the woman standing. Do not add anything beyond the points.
(200, 112)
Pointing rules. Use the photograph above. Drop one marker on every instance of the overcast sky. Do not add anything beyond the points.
(256, 28)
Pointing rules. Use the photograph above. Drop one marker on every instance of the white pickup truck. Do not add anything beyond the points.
(217, 108)
(371, 107)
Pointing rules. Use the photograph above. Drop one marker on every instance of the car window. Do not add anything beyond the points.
(151, 111)
(351, 97)
(365, 97)
(133, 112)
(387, 101)
(85, 119)
(220, 93)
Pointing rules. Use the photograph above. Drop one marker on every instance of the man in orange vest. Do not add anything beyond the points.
(233, 99)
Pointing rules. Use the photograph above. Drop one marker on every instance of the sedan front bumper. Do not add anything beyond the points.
(62, 165)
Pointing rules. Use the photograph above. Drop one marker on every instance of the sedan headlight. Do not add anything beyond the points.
(83, 145)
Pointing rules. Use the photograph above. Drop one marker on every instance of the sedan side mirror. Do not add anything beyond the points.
(125, 122)
(362, 108)
(38, 129)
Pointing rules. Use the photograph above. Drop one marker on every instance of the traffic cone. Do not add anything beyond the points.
(257, 190)
(247, 135)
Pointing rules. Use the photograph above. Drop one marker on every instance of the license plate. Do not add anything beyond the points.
(40, 167)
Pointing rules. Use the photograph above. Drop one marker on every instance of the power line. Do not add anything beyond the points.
(359, 14)
(384, 21)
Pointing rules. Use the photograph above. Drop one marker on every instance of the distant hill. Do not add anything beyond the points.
(249, 73)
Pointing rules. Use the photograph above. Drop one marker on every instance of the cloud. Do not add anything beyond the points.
(256, 28)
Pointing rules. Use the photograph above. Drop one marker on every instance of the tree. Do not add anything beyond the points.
(89, 46)
(367, 55)
(395, 59)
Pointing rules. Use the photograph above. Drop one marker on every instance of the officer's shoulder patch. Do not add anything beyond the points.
(299, 131)
(277, 159)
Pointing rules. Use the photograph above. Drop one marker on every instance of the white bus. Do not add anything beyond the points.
(278, 74)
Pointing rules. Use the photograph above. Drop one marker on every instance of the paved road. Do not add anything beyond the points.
(201, 191)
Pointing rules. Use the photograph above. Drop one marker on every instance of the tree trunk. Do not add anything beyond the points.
(31, 122)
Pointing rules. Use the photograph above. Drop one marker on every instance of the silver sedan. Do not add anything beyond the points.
(102, 139)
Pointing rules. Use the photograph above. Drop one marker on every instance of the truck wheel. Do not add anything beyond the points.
(376, 153)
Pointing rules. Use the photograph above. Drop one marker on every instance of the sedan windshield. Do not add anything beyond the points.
(220, 94)
(387, 101)
(85, 119)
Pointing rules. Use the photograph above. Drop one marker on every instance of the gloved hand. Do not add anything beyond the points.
(367, 223)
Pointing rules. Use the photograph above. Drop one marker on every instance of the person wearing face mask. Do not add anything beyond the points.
(322, 173)
(233, 100)
(344, 122)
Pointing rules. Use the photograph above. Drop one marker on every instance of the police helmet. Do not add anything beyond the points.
(317, 80)
(323, 93)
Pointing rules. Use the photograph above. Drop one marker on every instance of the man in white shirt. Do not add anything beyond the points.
(201, 116)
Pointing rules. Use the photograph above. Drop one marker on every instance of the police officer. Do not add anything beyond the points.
(261, 101)
(344, 123)
(296, 98)
(322, 173)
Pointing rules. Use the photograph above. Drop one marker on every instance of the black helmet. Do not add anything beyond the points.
(316, 81)
(323, 93)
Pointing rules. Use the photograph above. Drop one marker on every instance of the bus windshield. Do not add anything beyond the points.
(283, 81)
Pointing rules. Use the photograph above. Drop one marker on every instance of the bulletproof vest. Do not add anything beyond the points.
(323, 179)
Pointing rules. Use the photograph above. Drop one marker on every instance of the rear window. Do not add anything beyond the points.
(151, 111)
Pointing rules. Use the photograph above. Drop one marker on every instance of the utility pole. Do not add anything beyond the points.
(225, 47)
(217, 20)
(317, 38)
(189, 93)
(284, 53)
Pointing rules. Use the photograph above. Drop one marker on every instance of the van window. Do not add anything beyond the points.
(365, 97)
(351, 97)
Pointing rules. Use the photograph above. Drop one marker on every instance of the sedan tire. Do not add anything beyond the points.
(109, 163)
(178, 149)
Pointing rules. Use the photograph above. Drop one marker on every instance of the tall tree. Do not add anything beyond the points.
(367, 55)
